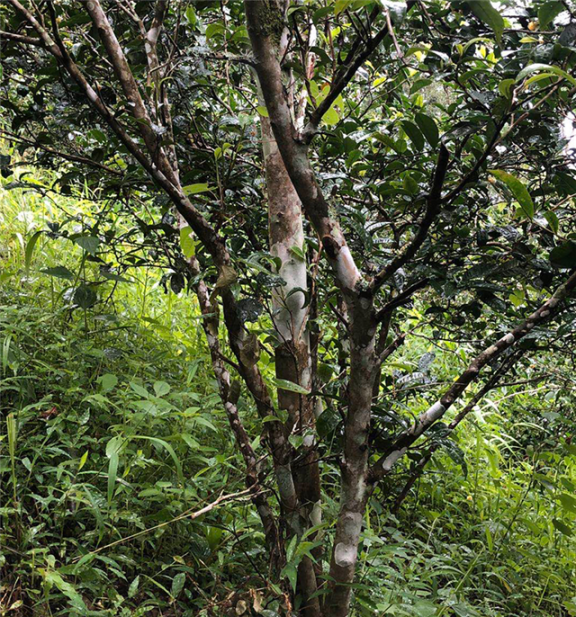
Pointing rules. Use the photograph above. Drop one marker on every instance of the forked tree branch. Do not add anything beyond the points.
(433, 204)
(263, 19)
(20, 38)
(491, 384)
(129, 85)
(400, 446)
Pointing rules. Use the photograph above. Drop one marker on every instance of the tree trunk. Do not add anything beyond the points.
(292, 355)
(363, 372)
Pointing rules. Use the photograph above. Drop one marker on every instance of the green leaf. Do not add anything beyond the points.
(112, 474)
(518, 189)
(386, 140)
(191, 15)
(568, 502)
(133, 587)
(552, 221)
(114, 445)
(214, 29)
(30, 249)
(298, 252)
(564, 255)
(284, 384)
(428, 126)
(486, 13)
(161, 388)
(108, 382)
(54, 578)
(194, 189)
(505, 88)
(548, 12)
(85, 297)
(178, 584)
(562, 527)
(83, 460)
(262, 110)
(89, 243)
(414, 134)
(331, 117)
(139, 389)
(168, 449)
(60, 272)
(341, 5)
(289, 571)
(548, 69)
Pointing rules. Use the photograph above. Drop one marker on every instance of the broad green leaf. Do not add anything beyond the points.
(83, 460)
(341, 5)
(214, 29)
(548, 12)
(194, 189)
(139, 389)
(284, 384)
(414, 134)
(112, 473)
(505, 87)
(547, 68)
(386, 140)
(191, 15)
(564, 255)
(114, 445)
(331, 117)
(562, 527)
(187, 242)
(552, 220)
(518, 189)
(133, 587)
(298, 252)
(568, 502)
(60, 272)
(85, 297)
(89, 243)
(178, 584)
(289, 571)
(108, 381)
(485, 11)
(54, 578)
(161, 388)
(428, 126)
(262, 110)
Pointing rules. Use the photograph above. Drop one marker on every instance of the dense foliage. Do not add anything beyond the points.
(279, 255)
(488, 532)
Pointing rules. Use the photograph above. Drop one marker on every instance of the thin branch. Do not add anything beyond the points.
(64, 155)
(434, 202)
(189, 514)
(355, 59)
(20, 38)
(402, 298)
(491, 384)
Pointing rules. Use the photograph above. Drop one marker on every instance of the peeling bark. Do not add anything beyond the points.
(292, 354)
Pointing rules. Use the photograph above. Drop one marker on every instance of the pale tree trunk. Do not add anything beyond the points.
(292, 354)
(364, 367)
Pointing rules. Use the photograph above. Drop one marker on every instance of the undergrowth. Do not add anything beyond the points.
(112, 433)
